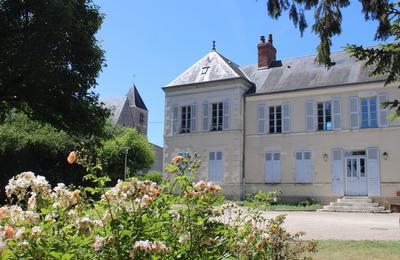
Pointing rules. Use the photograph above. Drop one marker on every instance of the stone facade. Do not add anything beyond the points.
(321, 133)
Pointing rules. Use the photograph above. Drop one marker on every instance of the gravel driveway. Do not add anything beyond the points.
(342, 226)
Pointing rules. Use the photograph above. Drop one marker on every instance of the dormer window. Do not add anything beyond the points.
(204, 70)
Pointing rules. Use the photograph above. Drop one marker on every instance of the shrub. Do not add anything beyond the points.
(137, 220)
(29, 145)
(112, 153)
(154, 176)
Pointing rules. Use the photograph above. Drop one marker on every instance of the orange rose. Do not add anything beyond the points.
(9, 231)
(177, 158)
(71, 157)
(2, 213)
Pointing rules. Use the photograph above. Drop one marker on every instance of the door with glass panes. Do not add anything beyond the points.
(356, 176)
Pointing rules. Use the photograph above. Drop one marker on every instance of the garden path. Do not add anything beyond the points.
(342, 225)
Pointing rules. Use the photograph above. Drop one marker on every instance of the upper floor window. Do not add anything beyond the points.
(369, 114)
(217, 116)
(185, 119)
(141, 118)
(275, 119)
(324, 116)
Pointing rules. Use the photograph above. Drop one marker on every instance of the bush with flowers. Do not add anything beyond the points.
(136, 220)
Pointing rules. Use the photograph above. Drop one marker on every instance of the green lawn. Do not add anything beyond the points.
(344, 249)
(280, 207)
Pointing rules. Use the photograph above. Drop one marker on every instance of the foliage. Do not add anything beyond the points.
(154, 176)
(49, 62)
(306, 202)
(26, 144)
(135, 219)
(112, 153)
(385, 59)
(262, 199)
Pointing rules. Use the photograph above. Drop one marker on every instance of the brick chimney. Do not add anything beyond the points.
(266, 52)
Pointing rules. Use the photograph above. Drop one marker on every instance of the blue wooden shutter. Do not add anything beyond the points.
(337, 172)
(227, 112)
(374, 184)
(309, 110)
(205, 116)
(354, 112)
(261, 119)
(337, 113)
(175, 119)
(383, 111)
(193, 114)
(286, 111)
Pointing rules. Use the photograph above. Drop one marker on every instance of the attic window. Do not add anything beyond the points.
(204, 70)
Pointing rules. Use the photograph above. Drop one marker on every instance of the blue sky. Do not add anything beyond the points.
(157, 40)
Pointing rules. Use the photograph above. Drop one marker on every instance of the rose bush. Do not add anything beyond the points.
(137, 220)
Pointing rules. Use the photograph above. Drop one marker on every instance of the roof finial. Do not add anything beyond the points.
(133, 80)
(213, 46)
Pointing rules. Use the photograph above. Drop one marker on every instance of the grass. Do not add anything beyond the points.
(354, 250)
(279, 207)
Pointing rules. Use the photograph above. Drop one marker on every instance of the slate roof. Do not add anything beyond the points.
(286, 75)
(303, 73)
(117, 104)
(212, 67)
(135, 99)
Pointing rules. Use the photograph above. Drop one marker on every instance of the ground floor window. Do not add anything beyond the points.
(216, 167)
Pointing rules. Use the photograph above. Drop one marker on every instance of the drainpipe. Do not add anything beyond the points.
(243, 190)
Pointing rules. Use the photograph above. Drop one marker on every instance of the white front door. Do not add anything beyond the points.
(356, 176)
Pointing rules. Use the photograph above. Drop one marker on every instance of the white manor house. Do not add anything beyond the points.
(288, 125)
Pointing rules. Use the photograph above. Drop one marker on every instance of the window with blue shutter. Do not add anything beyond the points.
(261, 118)
(337, 113)
(226, 113)
(286, 121)
(193, 126)
(309, 110)
(205, 116)
(353, 111)
(175, 119)
(383, 111)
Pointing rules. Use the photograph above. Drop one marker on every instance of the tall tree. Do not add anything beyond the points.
(49, 62)
(327, 22)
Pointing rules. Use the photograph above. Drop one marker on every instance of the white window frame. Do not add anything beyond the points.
(369, 111)
(275, 126)
(188, 119)
(324, 115)
(219, 117)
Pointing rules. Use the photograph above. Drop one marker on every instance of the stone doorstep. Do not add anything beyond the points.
(355, 200)
(368, 208)
(356, 211)
(354, 204)
(369, 204)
